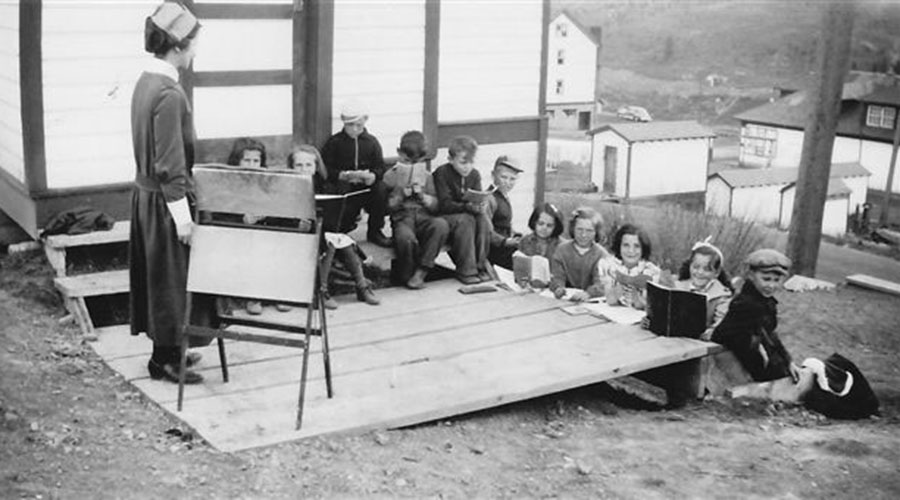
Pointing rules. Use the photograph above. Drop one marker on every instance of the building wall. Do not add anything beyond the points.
(522, 196)
(669, 167)
(600, 142)
(718, 197)
(490, 60)
(577, 71)
(760, 203)
(567, 116)
(834, 216)
(92, 56)
(379, 60)
(859, 190)
(560, 149)
(876, 156)
(11, 154)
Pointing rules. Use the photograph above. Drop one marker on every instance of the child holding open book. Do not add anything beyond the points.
(531, 262)
(574, 263)
(625, 274)
(703, 273)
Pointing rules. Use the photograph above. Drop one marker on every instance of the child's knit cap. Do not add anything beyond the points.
(769, 260)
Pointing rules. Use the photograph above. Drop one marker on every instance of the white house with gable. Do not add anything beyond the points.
(571, 73)
(637, 159)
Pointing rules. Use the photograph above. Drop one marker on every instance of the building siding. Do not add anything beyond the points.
(12, 159)
(669, 167)
(490, 59)
(876, 156)
(600, 143)
(718, 197)
(834, 215)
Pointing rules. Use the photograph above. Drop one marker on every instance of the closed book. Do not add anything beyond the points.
(674, 312)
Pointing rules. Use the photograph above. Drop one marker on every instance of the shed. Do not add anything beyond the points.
(837, 207)
(756, 193)
(632, 160)
(275, 70)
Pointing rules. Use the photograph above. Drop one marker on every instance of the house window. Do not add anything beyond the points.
(562, 30)
(759, 141)
(559, 87)
(569, 111)
(881, 117)
(560, 57)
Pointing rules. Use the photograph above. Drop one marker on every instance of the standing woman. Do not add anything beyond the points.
(163, 136)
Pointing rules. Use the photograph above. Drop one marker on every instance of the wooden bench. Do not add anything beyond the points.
(55, 246)
(872, 283)
(74, 289)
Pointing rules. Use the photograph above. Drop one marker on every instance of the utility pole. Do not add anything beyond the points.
(883, 219)
(833, 60)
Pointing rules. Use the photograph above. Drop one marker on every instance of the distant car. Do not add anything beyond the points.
(635, 113)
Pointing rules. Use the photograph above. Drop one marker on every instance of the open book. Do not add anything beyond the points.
(335, 197)
(477, 196)
(531, 269)
(674, 312)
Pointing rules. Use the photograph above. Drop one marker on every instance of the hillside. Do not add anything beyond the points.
(671, 46)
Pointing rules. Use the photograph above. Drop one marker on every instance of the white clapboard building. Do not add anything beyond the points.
(275, 70)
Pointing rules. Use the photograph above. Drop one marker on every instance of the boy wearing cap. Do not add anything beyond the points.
(499, 211)
(418, 233)
(354, 161)
(748, 329)
(469, 226)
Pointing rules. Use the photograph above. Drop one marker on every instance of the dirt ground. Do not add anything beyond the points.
(71, 428)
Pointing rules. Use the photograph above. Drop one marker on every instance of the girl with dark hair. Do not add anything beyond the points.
(703, 273)
(163, 140)
(626, 272)
(247, 153)
(546, 225)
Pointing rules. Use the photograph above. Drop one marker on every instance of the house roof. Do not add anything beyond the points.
(656, 131)
(588, 32)
(793, 110)
(836, 188)
(753, 177)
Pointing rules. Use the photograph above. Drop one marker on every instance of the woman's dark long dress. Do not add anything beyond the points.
(163, 137)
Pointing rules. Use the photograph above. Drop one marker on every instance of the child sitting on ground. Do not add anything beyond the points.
(703, 272)
(469, 226)
(748, 328)
(499, 211)
(626, 272)
(574, 263)
(307, 161)
(418, 233)
(531, 262)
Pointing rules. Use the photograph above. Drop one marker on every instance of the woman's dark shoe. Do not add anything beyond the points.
(169, 371)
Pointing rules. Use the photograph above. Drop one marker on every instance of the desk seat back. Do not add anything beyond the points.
(260, 192)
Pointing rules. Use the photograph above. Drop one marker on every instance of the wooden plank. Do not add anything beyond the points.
(220, 188)
(453, 387)
(873, 283)
(242, 78)
(120, 232)
(31, 85)
(491, 131)
(243, 11)
(253, 263)
(91, 285)
(248, 371)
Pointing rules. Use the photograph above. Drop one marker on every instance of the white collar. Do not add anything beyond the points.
(162, 67)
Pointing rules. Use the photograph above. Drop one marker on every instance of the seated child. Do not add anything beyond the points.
(546, 225)
(626, 272)
(703, 273)
(469, 226)
(748, 328)
(499, 211)
(574, 263)
(249, 153)
(307, 161)
(418, 233)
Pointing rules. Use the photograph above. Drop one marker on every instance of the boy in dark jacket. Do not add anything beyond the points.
(499, 210)
(354, 161)
(748, 329)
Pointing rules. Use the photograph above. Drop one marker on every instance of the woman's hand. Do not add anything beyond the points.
(184, 232)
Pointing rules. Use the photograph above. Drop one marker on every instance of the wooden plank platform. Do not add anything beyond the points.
(418, 357)
(94, 284)
(873, 283)
(55, 246)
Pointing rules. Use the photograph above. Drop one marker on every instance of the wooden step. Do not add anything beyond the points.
(55, 246)
(873, 283)
(94, 284)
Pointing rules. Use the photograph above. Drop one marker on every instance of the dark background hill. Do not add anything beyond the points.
(657, 53)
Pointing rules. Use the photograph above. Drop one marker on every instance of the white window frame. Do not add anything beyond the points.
(759, 140)
(881, 116)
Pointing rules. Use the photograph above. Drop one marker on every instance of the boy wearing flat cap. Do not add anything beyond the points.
(748, 329)
(354, 161)
(499, 211)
